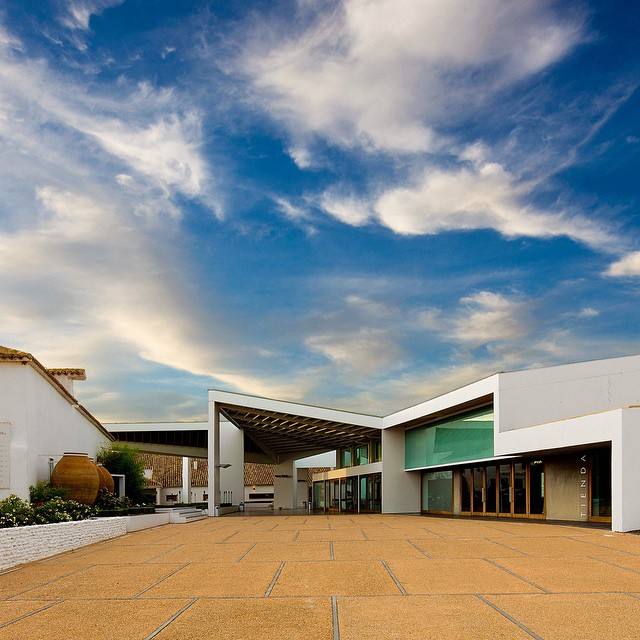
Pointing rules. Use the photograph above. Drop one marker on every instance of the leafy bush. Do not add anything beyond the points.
(61, 510)
(43, 492)
(121, 458)
(15, 512)
(109, 501)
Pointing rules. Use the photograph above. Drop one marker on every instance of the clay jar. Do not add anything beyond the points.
(106, 480)
(76, 473)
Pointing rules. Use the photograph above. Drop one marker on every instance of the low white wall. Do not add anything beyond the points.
(147, 520)
(25, 544)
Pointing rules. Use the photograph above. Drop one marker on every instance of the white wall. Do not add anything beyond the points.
(625, 454)
(232, 452)
(41, 424)
(400, 489)
(537, 396)
(25, 544)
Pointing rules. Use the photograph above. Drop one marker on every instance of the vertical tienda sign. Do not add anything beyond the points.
(583, 489)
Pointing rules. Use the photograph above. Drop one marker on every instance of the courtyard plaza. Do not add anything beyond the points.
(332, 577)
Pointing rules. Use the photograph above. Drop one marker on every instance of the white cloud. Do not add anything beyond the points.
(477, 195)
(76, 14)
(366, 351)
(627, 265)
(488, 317)
(588, 312)
(347, 209)
(383, 75)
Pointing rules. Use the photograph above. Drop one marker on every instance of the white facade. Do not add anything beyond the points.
(38, 424)
(552, 410)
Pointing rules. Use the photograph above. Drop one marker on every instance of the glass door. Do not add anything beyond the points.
(466, 488)
(478, 490)
(519, 489)
(600, 486)
(536, 489)
(505, 490)
(491, 490)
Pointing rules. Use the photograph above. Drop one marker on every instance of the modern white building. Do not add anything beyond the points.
(40, 420)
(556, 443)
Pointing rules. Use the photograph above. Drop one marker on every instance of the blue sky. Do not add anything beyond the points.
(360, 203)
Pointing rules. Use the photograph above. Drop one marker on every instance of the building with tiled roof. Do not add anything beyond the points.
(165, 474)
(40, 420)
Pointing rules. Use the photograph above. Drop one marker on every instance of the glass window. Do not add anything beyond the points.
(466, 437)
(370, 493)
(437, 491)
(346, 459)
(318, 495)
(362, 454)
(376, 451)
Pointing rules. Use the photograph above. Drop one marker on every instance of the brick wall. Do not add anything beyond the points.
(24, 544)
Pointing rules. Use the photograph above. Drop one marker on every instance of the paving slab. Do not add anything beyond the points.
(464, 548)
(13, 609)
(366, 577)
(217, 579)
(29, 576)
(560, 547)
(423, 618)
(103, 581)
(262, 535)
(248, 619)
(574, 574)
(448, 576)
(95, 619)
(123, 554)
(206, 552)
(270, 551)
(575, 617)
(374, 550)
(344, 533)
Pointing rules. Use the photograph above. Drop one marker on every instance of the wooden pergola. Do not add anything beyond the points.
(285, 434)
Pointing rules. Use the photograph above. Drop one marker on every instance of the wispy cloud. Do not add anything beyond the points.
(385, 75)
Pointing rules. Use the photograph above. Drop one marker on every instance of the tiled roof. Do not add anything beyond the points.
(74, 374)
(166, 471)
(8, 354)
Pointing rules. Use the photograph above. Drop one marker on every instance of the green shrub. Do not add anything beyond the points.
(108, 500)
(121, 458)
(43, 491)
(15, 512)
(61, 510)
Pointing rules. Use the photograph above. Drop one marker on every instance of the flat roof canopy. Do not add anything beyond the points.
(286, 434)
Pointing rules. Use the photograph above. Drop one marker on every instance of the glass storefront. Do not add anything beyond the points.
(437, 491)
(354, 494)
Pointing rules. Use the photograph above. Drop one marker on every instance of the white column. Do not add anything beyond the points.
(186, 479)
(213, 457)
(285, 485)
(625, 473)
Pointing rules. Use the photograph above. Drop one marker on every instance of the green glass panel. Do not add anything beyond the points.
(467, 437)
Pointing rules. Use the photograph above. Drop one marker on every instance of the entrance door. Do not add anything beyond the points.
(600, 486)
(519, 489)
(505, 490)
(478, 490)
(491, 490)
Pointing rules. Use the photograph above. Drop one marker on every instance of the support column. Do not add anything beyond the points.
(213, 458)
(186, 479)
(625, 473)
(285, 485)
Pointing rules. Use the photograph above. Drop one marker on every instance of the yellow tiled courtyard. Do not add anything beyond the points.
(358, 577)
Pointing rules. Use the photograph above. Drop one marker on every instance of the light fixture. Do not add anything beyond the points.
(224, 465)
